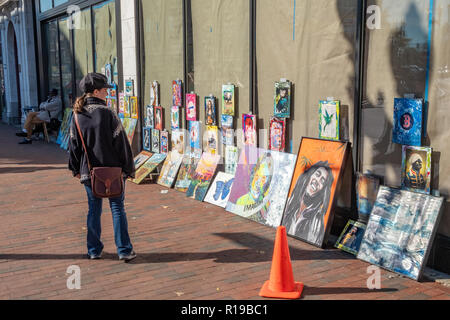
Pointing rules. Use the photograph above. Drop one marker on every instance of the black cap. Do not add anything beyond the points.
(94, 81)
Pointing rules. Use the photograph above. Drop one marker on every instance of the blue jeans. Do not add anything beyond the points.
(121, 237)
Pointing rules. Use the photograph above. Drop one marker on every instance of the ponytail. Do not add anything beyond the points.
(79, 104)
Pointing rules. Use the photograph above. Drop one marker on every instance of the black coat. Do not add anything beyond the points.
(105, 138)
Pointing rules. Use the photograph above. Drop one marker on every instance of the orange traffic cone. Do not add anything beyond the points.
(281, 283)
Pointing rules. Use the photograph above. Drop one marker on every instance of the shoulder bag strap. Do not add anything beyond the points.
(82, 140)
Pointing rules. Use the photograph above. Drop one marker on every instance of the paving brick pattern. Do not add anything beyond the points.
(186, 249)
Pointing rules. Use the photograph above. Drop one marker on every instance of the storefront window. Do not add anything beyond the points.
(45, 5)
(105, 37)
(66, 62)
(82, 38)
(312, 44)
(51, 54)
(59, 2)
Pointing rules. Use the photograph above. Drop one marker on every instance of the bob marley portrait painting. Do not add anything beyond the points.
(308, 214)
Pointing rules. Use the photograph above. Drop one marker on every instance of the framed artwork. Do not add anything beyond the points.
(177, 93)
(202, 176)
(416, 169)
(141, 158)
(260, 192)
(282, 105)
(401, 230)
(175, 117)
(149, 116)
(219, 192)
(164, 140)
(231, 159)
(211, 143)
(191, 107)
(126, 106)
(121, 103)
(249, 127)
(129, 87)
(227, 130)
(134, 107)
(366, 194)
(408, 117)
(131, 130)
(317, 178)
(154, 94)
(210, 111)
(277, 133)
(195, 141)
(228, 99)
(108, 73)
(351, 237)
(178, 141)
(156, 147)
(113, 91)
(329, 120)
(170, 169)
(148, 167)
(159, 118)
(147, 138)
(187, 170)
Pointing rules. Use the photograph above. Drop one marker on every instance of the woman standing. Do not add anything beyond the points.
(107, 145)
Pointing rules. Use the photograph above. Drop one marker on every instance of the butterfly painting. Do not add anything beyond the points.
(219, 192)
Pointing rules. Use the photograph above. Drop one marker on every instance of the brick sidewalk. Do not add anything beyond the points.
(186, 249)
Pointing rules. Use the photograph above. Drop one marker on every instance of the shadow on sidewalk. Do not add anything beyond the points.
(319, 291)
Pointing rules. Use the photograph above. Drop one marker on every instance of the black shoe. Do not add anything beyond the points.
(26, 141)
(21, 134)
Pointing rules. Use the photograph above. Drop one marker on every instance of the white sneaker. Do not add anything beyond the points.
(128, 257)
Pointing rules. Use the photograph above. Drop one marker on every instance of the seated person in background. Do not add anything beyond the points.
(49, 109)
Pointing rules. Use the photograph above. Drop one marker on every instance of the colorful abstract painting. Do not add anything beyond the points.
(126, 107)
(175, 117)
(317, 177)
(170, 169)
(159, 118)
(351, 237)
(141, 158)
(416, 169)
(156, 144)
(187, 170)
(195, 138)
(249, 128)
(191, 107)
(400, 231)
(282, 105)
(277, 133)
(148, 167)
(131, 128)
(129, 87)
(228, 99)
(178, 141)
(227, 130)
(149, 117)
(220, 190)
(231, 159)
(211, 139)
(210, 111)
(201, 179)
(366, 194)
(408, 115)
(260, 192)
(154, 94)
(177, 93)
(329, 120)
(164, 140)
(121, 103)
(134, 107)
(147, 138)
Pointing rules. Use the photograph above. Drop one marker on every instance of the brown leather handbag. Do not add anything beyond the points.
(106, 182)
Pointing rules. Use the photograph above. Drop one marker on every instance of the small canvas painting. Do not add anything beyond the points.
(228, 99)
(416, 169)
(408, 117)
(351, 237)
(277, 133)
(227, 130)
(141, 158)
(159, 118)
(126, 106)
(282, 106)
(231, 159)
(191, 107)
(195, 137)
(148, 167)
(121, 103)
(220, 189)
(366, 194)
(401, 230)
(210, 111)
(177, 93)
(134, 107)
(170, 169)
(129, 87)
(131, 129)
(154, 94)
(178, 141)
(108, 73)
(211, 142)
(147, 138)
(249, 127)
(156, 147)
(149, 116)
(202, 176)
(329, 120)
(187, 170)
(164, 141)
(175, 117)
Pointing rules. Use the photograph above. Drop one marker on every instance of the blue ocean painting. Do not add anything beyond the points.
(400, 231)
(408, 115)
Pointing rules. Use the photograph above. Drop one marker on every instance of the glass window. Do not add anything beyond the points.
(105, 37)
(45, 5)
(51, 55)
(59, 2)
(82, 38)
(312, 44)
(163, 49)
(66, 62)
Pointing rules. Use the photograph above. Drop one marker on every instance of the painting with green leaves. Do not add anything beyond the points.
(329, 120)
